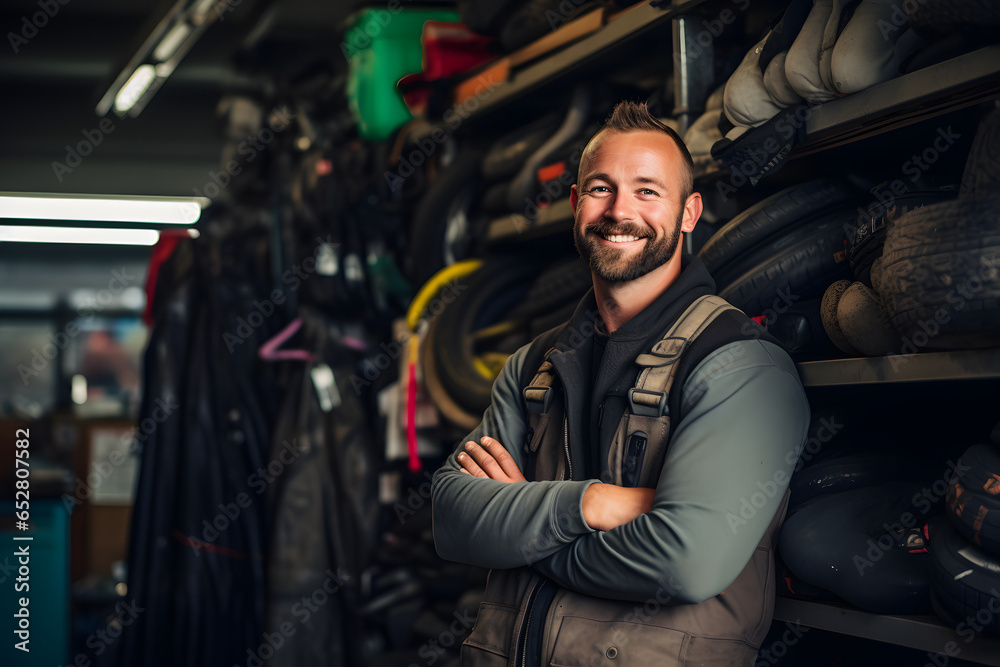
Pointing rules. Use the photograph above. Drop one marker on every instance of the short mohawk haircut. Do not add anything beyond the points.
(631, 116)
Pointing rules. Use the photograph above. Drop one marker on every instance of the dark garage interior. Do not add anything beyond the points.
(711, 286)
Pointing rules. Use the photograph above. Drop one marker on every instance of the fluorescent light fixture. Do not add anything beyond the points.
(163, 210)
(174, 38)
(202, 7)
(163, 70)
(137, 84)
(158, 55)
(93, 235)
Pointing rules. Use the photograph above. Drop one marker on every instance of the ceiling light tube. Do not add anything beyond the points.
(173, 39)
(201, 8)
(89, 235)
(137, 84)
(176, 211)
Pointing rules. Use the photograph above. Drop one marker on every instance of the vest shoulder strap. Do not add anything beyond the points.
(544, 407)
(649, 396)
(639, 446)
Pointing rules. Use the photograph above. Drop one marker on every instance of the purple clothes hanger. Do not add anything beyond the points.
(269, 351)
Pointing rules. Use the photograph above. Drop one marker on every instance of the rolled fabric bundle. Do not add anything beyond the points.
(802, 65)
(746, 100)
(872, 47)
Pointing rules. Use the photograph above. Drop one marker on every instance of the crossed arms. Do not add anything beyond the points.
(745, 421)
(604, 506)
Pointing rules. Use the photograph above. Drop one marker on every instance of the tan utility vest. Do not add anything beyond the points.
(579, 629)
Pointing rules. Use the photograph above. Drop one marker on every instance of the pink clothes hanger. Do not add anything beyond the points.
(269, 351)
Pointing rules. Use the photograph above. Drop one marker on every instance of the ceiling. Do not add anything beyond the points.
(52, 82)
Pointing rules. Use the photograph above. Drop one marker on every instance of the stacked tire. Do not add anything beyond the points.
(926, 266)
(505, 304)
(777, 257)
(965, 550)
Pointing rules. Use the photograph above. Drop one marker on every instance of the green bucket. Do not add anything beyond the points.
(383, 46)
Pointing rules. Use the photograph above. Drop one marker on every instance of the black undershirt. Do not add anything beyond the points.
(601, 337)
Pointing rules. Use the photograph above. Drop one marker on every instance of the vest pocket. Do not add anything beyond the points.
(489, 643)
(582, 641)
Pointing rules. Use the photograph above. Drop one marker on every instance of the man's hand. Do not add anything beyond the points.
(489, 460)
(606, 506)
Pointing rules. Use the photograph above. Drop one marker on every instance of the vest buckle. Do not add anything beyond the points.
(538, 399)
(646, 403)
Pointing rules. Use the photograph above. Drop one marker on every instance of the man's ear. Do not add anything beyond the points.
(573, 197)
(692, 212)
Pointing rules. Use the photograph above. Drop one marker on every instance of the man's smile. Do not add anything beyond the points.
(619, 239)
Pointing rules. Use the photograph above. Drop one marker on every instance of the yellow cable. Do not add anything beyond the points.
(489, 364)
(433, 286)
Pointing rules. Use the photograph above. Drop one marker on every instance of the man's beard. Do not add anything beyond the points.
(610, 263)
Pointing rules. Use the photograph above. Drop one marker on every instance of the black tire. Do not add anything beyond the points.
(983, 473)
(508, 154)
(974, 497)
(506, 291)
(840, 543)
(494, 201)
(428, 235)
(975, 515)
(769, 217)
(531, 20)
(940, 275)
(562, 284)
(934, 19)
(790, 236)
(491, 291)
(844, 473)
(454, 414)
(800, 330)
(865, 244)
(485, 16)
(964, 579)
(802, 271)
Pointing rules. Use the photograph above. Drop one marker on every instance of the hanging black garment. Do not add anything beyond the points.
(198, 538)
(324, 507)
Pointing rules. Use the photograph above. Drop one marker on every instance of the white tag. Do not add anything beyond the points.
(326, 259)
(326, 387)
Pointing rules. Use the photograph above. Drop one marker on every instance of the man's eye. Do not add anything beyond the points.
(647, 191)
(600, 189)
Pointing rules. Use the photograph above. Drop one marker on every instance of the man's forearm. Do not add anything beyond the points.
(489, 523)
(606, 506)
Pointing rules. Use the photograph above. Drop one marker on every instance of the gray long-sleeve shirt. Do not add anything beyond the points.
(725, 473)
(745, 418)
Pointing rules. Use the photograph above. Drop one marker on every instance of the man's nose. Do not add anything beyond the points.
(623, 207)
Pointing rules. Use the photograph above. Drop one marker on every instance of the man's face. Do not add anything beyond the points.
(629, 211)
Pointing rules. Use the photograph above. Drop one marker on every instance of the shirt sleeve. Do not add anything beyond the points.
(723, 480)
(495, 524)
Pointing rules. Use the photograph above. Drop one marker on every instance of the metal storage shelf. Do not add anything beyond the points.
(922, 367)
(942, 88)
(947, 86)
(552, 219)
(631, 23)
(924, 633)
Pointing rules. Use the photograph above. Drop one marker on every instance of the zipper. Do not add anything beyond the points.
(533, 637)
(524, 646)
(569, 463)
(527, 624)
